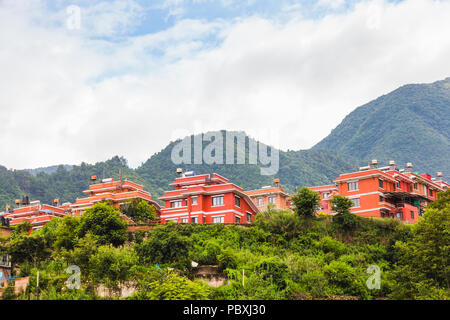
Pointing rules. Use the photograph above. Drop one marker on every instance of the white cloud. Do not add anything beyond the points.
(67, 98)
(334, 4)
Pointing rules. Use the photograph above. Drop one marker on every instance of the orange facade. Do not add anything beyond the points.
(35, 213)
(206, 199)
(274, 195)
(117, 192)
(326, 193)
(388, 192)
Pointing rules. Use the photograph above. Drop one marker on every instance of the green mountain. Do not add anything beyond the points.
(296, 168)
(48, 170)
(410, 124)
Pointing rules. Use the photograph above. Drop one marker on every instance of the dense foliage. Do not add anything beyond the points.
(284, 256)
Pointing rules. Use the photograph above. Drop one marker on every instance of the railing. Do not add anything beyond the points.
(5, 262)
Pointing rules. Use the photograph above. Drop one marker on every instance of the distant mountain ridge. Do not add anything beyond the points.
(410, 124)
(48, 170)
(297, 168)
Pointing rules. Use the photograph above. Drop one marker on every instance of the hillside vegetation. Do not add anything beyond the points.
(285, 255)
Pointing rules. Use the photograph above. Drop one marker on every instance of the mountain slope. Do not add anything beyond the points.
(410, 124)
(297, 168)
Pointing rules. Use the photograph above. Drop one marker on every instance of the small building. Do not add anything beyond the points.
(273, 194)
(34, 212)
(206, 199)
(326, 193)
(117, 192)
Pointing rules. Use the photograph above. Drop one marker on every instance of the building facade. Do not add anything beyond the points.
(206, 199)
(326, 193)
(34, 212)
(117, 192)
(274, 195)
(388, 191)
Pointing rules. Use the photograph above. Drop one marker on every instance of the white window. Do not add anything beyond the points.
(356, 203)
(326, 195)
(218, 219)
(238, 220)
(194, 201)
(272, 199)
(249, 218)
(217, 201)
(176, 204)
(260, 202)
(184, 220)
(194, 220)
(352, 186)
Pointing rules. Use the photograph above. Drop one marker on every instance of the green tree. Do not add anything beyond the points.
(165, 245)
(442, 201)
(139, 211)
(341, 204)
(344, 219)
(23, 228)
(103, 221)
(28, 249)
(306, 202)
(111, 266)
(62, 232)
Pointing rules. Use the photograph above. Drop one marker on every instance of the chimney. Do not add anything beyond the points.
(180, 172)
(439, 174)
(409, 165)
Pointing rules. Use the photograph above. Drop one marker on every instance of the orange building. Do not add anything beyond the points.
(118, 192)
(326, 193)
(273, 194)
(206, 199)
(388, 191)
(34, 212)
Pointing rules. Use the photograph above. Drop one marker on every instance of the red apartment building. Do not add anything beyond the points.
(118, 192)
(388, 191)
(206, 199)
(34, 212)
(273, 194)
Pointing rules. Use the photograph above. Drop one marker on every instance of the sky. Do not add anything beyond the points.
(86, 80)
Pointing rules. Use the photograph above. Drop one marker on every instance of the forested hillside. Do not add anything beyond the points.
(296, 168)
(410, 124)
